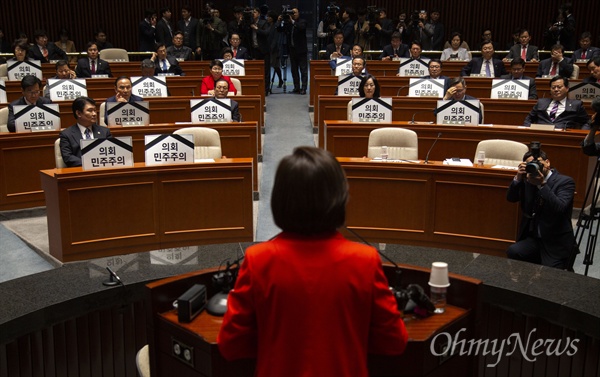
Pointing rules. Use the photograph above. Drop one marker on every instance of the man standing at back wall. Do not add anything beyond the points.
(295, 29)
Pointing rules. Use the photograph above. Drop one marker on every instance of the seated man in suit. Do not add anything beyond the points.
(558, 110)
(517, 70)
(164, 63)
(593, 65)
(239, 52)
(523, 50)
(545, 233)
(221, 90)
(435, 72)
(486, 65)
(63, 72)
(122, 94)
(43, 50)
(586, 50)
(457, 90)
(84, 110)
(31, 88)
(338, 48)
(178, 50)
(92, 65)
(556, 64)
(396, 49)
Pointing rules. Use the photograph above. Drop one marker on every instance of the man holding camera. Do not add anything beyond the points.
(546, 196)
(589, 145)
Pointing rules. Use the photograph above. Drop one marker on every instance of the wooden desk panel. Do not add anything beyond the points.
(460, 208)
(352, 139)
(23, 155)
(108, 212)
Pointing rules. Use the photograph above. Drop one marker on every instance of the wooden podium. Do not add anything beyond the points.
(99, 213)
(198, 353)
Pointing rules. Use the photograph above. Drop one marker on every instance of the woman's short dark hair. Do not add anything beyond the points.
(20, 43)
(310, 192)
(216, 62)
(456, 34)
(363, 81)
(79, 104)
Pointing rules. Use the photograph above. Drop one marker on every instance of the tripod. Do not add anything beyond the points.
(589, 219)
(283, 57)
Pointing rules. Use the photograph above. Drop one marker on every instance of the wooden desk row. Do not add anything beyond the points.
(102, 88)
(108, 212)
(478, 87)
(191, 68)
(23, 155)
(563, 148)
(381, 69)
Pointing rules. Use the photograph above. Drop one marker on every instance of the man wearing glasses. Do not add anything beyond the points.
(517, 72)
(32, 90)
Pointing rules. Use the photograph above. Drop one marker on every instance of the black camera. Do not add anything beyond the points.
(287, 11)
(248, 16)
(333, 9)
(413, 299)
(534, 166)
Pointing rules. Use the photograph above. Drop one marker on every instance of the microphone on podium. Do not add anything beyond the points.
(431, 148)
(399, 89)
(412, 121)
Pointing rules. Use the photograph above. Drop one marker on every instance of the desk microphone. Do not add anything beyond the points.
(412, 121)
(193, 94)
(432, 145)
(224, 282)
(114, 279)
(399, 89)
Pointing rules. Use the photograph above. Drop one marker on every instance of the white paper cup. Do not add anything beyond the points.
(439, 275)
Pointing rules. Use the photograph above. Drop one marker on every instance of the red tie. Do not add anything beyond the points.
(553, 70)
(45, 52)
(234, 52)
(524, 52)
(583, 54)
(93, 66)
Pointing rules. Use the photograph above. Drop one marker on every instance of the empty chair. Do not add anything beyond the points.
(501, 152)
(575, 74)
(4, 71)
(4, 119)
(207, 142)
(58, 160)
(114, 54)
(142, 360)
(238, 85)
(402, 144)
(101, 114)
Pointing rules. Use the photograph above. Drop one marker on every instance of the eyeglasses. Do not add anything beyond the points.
(33, 92)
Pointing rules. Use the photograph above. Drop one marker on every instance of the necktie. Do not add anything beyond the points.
(553, 70)
(93, 66)
(164, 66)
(234, 52)
(583, 54)
(87, 133)
(45, 52)
(488, 72)
(553, 111)
(524, 53)
(395, 52)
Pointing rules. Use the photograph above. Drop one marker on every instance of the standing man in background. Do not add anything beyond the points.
(295, 30)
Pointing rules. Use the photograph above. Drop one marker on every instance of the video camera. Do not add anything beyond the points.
(248, 16)
(372, 14)
(534, 166)
(286, 11)
(332, 9)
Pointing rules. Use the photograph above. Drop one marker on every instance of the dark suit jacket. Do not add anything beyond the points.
(299, 37)
(565, 68)
(235, 112)
(82, 70)
(591, 53)
(589, 79)
(184, 52)
(552, 205)
(532, 52)
(389, 51)
(574, 115)
(133, 98)
(532, 87)
(70, 148)
(146, 36)
(189, 32)
(591, 149)
(442, 77)
(345, 50)
(242, 53)
(174, 67)
(262, 37)
(474, 66)
(21, 101)
(54, 53)
(163, 34)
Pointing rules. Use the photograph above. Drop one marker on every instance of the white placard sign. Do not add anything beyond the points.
(66, 89)
(413, 67)
(348, 85)
(17, 70)
(32, 118)
(377, 110)
(510, 89)
(3, 92)
(135, 113)
(149, 86)
(426, 88)
(584, 91)
(169, 149)
(343, 66)
(457, 112)
(234, 67)
(115, 152)
(211, 110)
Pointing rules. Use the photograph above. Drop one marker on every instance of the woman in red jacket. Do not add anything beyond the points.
(309, 302)
(216, 73)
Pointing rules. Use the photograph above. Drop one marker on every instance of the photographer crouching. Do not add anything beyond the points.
(546, 196)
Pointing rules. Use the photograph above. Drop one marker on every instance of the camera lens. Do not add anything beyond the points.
(533, 167)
